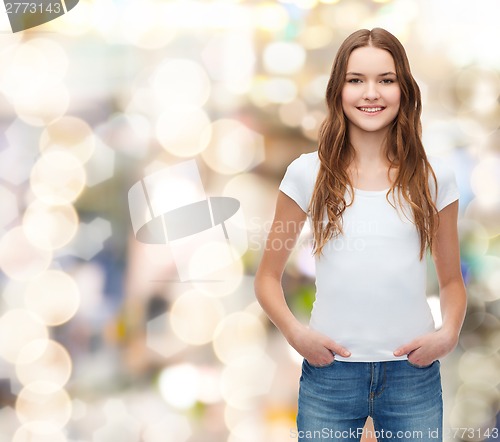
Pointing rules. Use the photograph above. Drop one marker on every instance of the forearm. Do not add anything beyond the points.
(269, 293)
(453, 299)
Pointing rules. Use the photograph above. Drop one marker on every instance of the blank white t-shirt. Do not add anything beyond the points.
(370, 282)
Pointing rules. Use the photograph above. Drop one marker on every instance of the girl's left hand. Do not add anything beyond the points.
(425, 349)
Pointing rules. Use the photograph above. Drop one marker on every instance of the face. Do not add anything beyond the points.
(371, 93)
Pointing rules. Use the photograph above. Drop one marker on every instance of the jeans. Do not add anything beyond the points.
(404, 401)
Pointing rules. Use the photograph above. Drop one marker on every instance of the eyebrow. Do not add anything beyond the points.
(357, 74)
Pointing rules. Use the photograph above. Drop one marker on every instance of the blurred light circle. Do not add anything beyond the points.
(19, 258)
(17, 329)
(494, 341)
(220, 265)
(304, 4)
(12, 294)
(50, 227)
(194, 317)
(10, 210)
(39, 431)
(471, 127)
(249, 430)
(233, 416)
(293, 113)
(345, 16)
(488, 272)
(43, 56)
(441, 136)
(478, 88)
(315, 90)
(473, 320)
(479, 389)
(239, 335)
(217, 288)
(69, 134)
(493, 283)
(473, 412)
(283, 57)
(485, 181)
(79, 409)
(479, 330)
(270, 16)
(474, 237)
(180, 82)
(230, 60)
(247, 379)
(171, 427)
(273, 90)
(179, 385)
(315, 37)
(183, 131)
(479, 363)
(43, 401)
(143, 26)
(233, 147)
(209, 391)
(258, 198)
(57, 178)
(103, 17)
(57, 59)
(237, 420)
(128, 133)
(43, 106)
(225, 100)
(17, 73)
(478, 124)
(311, 123)
(54, 296)
(53, 364)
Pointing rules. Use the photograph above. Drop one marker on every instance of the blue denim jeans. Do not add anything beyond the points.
(404, 401)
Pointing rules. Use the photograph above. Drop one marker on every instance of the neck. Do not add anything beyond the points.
(369, 148)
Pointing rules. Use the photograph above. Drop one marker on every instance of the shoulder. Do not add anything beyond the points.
(307, 159)
(307, 162)
(447, 188)
(300, 177)
(304, 168)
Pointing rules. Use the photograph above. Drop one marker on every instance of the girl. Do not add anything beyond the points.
(376, 202)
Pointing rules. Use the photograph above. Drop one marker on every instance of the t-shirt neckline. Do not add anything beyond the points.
(371, 192)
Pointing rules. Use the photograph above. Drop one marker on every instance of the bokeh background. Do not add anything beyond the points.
(99, 340)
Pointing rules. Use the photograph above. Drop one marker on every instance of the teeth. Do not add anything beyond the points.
(371, 109)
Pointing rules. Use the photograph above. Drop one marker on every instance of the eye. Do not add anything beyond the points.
(388, 81)
(354, 80)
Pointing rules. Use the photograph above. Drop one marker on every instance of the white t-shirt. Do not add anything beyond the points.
(370, 282)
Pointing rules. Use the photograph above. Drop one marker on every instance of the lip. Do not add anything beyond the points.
(360, 108)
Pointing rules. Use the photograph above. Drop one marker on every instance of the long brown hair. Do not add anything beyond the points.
(403, 148)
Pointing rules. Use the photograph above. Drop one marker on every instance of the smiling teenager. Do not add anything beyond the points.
(371, 347)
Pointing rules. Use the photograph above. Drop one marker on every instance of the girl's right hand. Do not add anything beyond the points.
(316, 347)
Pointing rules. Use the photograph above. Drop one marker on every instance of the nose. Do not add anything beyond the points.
(371, 91)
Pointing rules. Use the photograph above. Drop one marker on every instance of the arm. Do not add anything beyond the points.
(287, 225)
(446, 255)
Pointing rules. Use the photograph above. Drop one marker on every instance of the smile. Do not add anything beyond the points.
(371, 110)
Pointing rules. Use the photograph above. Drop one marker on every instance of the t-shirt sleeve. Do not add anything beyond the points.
(294, 183)
(447, 185)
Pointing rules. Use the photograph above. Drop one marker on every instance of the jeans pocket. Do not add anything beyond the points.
(419, 366)
(319, 366)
